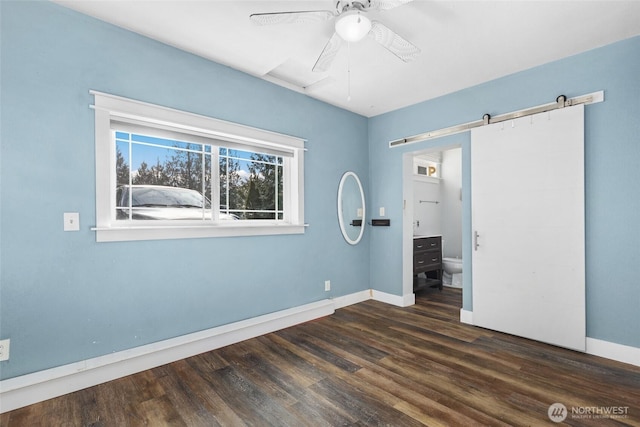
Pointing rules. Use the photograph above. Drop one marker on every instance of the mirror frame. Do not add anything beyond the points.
(341, 219)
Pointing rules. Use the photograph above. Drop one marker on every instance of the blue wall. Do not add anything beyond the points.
(65, 297)
(612, 159)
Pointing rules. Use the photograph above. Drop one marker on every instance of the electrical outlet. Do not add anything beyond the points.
(4, 349)
(327, 285)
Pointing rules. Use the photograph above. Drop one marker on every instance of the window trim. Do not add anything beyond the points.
(111, 107)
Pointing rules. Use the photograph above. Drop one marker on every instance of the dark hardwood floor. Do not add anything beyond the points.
(368, 364)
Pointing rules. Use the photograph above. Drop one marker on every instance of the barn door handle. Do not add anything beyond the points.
(475, 240)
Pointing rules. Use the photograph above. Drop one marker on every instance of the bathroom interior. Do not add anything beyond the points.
(437, 209)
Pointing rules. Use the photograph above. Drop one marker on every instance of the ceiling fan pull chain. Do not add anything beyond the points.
(348, 71)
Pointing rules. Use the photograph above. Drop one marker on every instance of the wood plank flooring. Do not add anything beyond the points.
(369, 364)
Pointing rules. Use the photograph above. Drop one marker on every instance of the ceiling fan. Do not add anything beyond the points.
(351, 24)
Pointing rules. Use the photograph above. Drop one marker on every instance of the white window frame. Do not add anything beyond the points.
(110, 107)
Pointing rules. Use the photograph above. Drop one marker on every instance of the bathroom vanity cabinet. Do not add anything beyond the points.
(427, 262)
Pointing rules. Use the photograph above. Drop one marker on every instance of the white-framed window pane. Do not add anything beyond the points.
(161, 179)
(251, 185)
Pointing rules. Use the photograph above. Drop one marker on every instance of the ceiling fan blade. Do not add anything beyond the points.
(400, 47)
(328, 53)
(388, 4)
(291, 17)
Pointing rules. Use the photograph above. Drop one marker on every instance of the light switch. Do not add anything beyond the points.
(381, 211)
(71, 221)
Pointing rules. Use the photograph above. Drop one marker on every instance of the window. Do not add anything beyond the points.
(427, 168)
(163, 173)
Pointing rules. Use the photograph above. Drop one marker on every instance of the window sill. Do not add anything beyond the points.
(151, 232)
(423, 178)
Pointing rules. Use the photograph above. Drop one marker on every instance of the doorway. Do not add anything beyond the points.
(433, 206)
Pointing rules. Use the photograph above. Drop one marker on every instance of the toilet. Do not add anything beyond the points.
(453, 267)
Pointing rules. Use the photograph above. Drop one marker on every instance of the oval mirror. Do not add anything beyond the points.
(351, 208)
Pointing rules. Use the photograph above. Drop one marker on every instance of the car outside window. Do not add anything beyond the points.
(167, 179)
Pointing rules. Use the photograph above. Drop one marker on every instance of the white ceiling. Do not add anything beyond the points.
(463, 43)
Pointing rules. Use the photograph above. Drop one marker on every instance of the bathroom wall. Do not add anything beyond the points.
(451, 202)
(427, 217)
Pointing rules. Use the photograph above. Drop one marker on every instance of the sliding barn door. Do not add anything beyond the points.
(528, 223)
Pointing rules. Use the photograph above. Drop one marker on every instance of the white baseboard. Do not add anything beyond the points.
(397, 300)
(400, 301)
(28, 389)
(610, 350)
(351, 299)
(466, 316)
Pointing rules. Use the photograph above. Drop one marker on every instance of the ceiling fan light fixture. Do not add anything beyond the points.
(352, 26)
